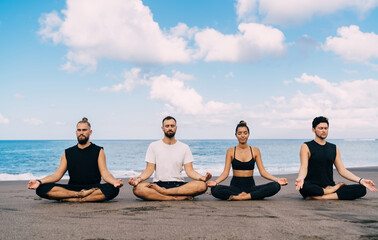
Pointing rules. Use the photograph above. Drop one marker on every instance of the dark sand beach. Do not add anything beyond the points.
(285, 216)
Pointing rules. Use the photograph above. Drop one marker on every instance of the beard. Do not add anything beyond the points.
(82, 140)
(169, 134)
(322, 138)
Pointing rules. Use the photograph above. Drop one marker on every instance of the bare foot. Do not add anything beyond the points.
(83, 193)
(332, 196)
(180, 198)
(240, 197)
(340, 184)
(332, 189)
(158, 189)
(70, 199)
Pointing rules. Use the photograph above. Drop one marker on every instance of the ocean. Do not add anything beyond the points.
(31, 159)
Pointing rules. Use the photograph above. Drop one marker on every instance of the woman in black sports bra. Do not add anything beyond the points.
(242, 158)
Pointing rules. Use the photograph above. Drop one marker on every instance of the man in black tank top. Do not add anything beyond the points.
(315, 178)
(86, 165)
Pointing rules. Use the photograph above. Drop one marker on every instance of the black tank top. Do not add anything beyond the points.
(320, 164)
(239, 165)
(82, 165)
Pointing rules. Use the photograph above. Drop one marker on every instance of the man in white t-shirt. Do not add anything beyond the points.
(166, 158)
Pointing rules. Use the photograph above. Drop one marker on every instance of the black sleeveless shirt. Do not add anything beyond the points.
(82, 165)
(320, 164)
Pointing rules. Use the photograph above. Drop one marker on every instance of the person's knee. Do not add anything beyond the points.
(311, 190)
(138, 189)
(273, 188)
(361, 190)
(112, 194)
(40, 192)
(215, 192)
(277, 186)
(201, 187)
(303, 193)
(108, 191)
(43, 189)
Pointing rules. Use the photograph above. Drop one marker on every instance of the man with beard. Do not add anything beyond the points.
(166, 158)
(315, 178)
(86, 164)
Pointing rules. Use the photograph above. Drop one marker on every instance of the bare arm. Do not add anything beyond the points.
(263, 172)
(34, 184)
(105, 174)
(349, 175)
(148, 171)
(304, 156)
(195, 175)
(226, 170)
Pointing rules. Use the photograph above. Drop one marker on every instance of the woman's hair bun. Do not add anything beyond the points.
(243, 122)
(84, 119)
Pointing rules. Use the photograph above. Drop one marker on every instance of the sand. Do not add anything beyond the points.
(23, 215)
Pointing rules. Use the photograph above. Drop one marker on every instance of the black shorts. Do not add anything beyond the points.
(107, 189)
(172, 184)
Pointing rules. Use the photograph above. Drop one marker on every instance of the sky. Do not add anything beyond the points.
(125, 65)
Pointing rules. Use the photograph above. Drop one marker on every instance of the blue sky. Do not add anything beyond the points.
(127, 64)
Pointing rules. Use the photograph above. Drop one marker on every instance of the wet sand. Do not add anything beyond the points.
(23, 215)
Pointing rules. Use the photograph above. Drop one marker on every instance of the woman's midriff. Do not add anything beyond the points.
(243, 173)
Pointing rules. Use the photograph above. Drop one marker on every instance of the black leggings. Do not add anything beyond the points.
(107, 189)
(245, 184)
(346, 192)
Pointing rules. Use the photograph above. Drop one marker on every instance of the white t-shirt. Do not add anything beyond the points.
(169, 160)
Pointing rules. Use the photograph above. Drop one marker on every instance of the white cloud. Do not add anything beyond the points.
(77, 60)
(182, 30)
(297, 11)
(347, 103)
(359, 94)
(132, 78)
(18, 96)
(245, 9)
(33, 121)
(184, 99)
(117, 29)
(125, 31)
(182, 76)
(136, 77)
(174, 93)
(50, 24)
(253, 42)
(3, 120)
(353, 45)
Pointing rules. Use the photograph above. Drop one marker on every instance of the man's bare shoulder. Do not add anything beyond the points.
(304, 147)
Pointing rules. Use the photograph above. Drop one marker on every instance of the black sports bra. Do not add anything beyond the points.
(239, 165)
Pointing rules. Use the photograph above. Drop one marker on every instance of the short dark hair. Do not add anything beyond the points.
(242, 123)
(168, 118)
(318, 120)
(84, 120)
